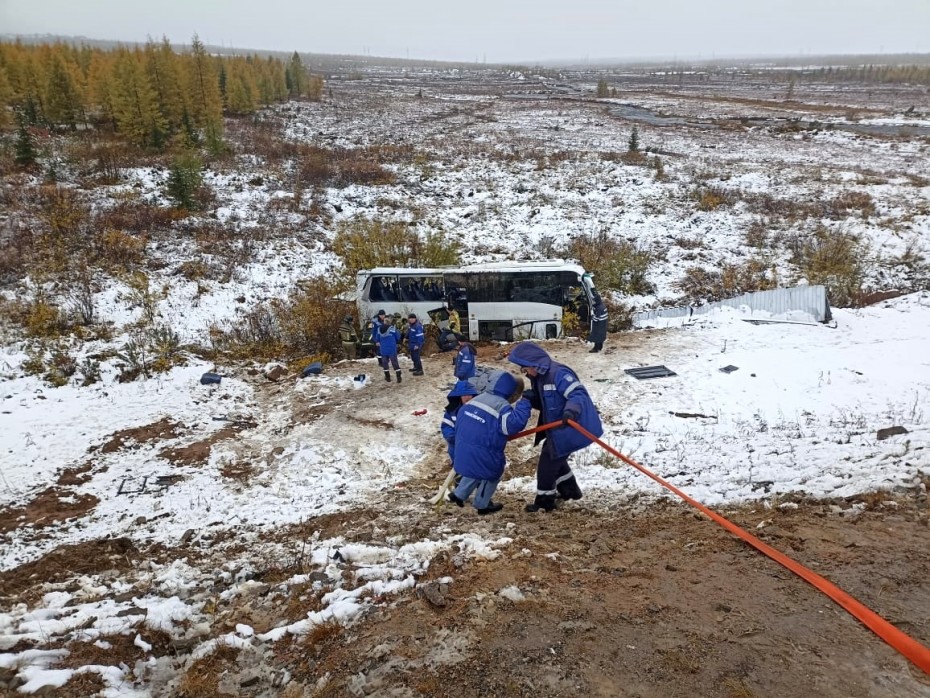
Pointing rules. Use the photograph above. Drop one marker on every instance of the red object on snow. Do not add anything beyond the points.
(419, 413)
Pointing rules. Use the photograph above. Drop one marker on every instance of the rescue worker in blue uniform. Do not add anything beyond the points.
(598, 325)
(416, 338)
(465, 359)
(461, 393)
(386, 339)
(559, 396)
(482, 429)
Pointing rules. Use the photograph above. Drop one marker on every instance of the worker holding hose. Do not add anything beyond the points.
(559, 396)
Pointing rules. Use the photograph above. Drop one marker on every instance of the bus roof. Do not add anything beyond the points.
(546, 265)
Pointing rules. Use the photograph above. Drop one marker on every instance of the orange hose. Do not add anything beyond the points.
(899, 640)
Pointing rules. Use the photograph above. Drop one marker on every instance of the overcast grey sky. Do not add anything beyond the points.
(497, 30)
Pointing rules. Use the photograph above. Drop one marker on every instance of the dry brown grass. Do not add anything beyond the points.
(49, 507)
(202, 678)
(240, 471)
(25, 583)
(165, 428)
(710, 198)
(122, 649)
(301, 600)
(137, 217)
(82, 685)
(851, 202)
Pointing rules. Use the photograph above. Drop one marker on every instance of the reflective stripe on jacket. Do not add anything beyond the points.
(482, 428)
(465, 363)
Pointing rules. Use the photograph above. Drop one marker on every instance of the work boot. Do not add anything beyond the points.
(543, 502)
(490, 508)
(455, 500)
(569, 489)
(418, 372)
(387, 376)
(400, 376)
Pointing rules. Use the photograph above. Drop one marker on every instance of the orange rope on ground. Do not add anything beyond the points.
(900, 641)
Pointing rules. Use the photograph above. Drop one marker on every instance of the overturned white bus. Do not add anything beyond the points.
(496, 301)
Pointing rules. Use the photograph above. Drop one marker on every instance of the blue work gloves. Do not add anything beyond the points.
(570, 413)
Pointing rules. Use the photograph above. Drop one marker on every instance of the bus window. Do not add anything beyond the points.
(538, 287)
(420, 288)
(492, 287)
(383, 288)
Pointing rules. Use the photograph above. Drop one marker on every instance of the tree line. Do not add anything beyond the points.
(148, 94)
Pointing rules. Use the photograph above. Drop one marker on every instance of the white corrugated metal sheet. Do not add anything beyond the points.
(800, 302)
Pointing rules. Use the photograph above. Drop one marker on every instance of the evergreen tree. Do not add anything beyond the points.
(135, 103)
(206, 101)
(602, 90)
(296, 76)
(633, 143)
(100, 87)
(61, 99)
(184, 179)
(241, 87)
(6, 96)
(25, 151)
(161, 67)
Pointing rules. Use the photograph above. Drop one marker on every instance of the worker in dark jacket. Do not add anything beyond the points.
(598, 325)
(461, 393)
(465, 359)
(387, 338)
(349, 337)
(375, 325)
(482, 429)
(416, 338)
(559, 396)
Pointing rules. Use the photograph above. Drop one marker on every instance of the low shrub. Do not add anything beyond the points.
(147, 352)
(52, 361)
(44, 319)
(137, 217)
(835, 259)
(757, 235)
(343, 166)
(362, 243)
(616, 264)
(66, 229)
(90, 372)
(304, 324)
(700, 285)
(118, 250)
(851, 202)
(710, 198)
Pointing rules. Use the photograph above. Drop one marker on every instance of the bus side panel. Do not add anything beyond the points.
(526, 320)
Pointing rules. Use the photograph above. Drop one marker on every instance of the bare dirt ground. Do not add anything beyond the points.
(645, 601)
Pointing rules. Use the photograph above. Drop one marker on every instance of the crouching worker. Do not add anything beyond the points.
(482, 428)
(460, 395)
(559, 396)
